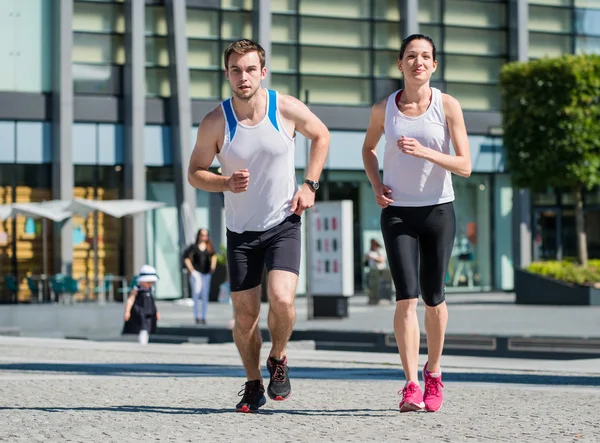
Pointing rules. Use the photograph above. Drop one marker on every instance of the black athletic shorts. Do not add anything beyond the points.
(418, 242)
(249, 252)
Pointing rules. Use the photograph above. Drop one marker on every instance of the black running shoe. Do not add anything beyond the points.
(253, 397)
(279, 386)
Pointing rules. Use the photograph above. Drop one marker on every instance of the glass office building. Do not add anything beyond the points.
(102, 99)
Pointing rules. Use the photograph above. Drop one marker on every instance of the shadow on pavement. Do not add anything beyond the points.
(299, 372)
(202, 411)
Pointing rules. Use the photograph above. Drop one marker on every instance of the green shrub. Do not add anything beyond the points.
(222, 256)
(567, 271)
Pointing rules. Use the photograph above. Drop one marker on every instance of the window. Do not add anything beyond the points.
(386, 64)
(105, 18)
(430, 11)
(589, 45)
(336, 90)
(155, 20)
(548, 45)
(335, 8)
(587, 21)
(387, 36)
(204, 54)
(157, 82)
(286, 84)
(202, 23)
(387, 10)
(283, 59)
(283, 28)
(475, 41)
(204, 84)
(157, 53)
(332, 32)
(546, 19)
(236, 25)
(335, 61)
(468, 69)
(283, 6)
(98, 48)
(475, 13)
(474, 97)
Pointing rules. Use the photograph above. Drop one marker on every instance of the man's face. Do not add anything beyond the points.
(245, 74)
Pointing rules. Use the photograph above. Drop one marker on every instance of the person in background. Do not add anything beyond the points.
(201, 261)
(375, 260)
(141, 314)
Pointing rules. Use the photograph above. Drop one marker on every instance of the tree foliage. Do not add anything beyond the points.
(551, 120)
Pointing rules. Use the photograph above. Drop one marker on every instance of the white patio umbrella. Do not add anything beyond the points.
(52, 210)
(114, 208)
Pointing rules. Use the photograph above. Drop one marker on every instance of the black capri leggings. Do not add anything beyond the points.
(413, 233)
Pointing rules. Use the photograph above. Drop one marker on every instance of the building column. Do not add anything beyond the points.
(62, 126)
(135, 120)
(522, 223)
(181, 118)
(262, 33)
(409, 17)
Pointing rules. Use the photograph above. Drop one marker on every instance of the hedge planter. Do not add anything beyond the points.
(534, 289)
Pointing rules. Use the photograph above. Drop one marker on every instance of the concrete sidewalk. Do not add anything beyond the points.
(80, 391)
(479, 324)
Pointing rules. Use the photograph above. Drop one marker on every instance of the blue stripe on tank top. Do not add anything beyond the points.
(273, 108)
(231, 121)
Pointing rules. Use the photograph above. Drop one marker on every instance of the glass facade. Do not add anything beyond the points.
(342, 52)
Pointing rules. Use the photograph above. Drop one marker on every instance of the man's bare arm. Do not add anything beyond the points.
(205, 150)
(311, 127)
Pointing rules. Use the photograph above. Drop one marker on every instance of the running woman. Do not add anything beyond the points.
(417, 220)
(252, 136)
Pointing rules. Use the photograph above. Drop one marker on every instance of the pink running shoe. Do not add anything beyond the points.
(412, 398)
(433, 390)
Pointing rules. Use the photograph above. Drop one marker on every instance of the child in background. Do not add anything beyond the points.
(140, 310)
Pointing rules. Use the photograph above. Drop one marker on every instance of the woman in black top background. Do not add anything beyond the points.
(200, 260)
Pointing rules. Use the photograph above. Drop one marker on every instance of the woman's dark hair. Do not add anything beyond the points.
(209, 244)
(412, 37)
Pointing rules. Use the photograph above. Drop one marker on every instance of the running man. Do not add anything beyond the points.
(417, 220)
(252, 136)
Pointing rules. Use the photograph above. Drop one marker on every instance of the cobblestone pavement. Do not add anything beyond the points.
(78, 391)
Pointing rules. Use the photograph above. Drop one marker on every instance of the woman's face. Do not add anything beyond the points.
(417, 63)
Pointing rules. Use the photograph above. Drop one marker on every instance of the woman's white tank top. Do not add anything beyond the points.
(267, 151)
(416, 181)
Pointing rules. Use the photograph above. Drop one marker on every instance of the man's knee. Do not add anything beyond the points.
(282, 289)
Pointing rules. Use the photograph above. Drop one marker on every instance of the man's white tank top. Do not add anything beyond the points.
(416, 181)
(267, 151)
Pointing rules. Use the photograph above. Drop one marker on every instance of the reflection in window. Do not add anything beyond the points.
(587, 21)
(202, 23)
(155, 20)
(94, 17)
(283, 58)
(548, 45)
(386, 64)
(475, 13)
(157, 53)
(588, 45)
(236, 25)
(334, 61)
(286, 84)
(475, 97)
(387, 10)
(157, 82)
(550, 19)
(328, 32)
(336, 90)
(472, 69)
(387, 36)
(335, 8)
(283, 28)
(96, 79)
(204, 84)
(430, 11)
(475, 41)
(98, 48)
(204, 54)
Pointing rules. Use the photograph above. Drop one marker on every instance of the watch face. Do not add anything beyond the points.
(315, 185)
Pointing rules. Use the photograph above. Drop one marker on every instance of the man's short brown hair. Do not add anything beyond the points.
(244, 46)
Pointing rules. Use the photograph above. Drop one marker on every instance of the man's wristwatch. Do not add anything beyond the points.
(313, 184)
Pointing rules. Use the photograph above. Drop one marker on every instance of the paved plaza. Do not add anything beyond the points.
(56, 390)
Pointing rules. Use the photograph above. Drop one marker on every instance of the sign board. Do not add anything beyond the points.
(331, 249)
